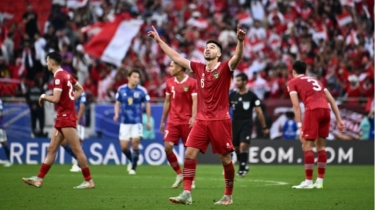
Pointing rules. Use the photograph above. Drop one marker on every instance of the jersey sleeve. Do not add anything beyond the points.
(145, 97)
(291, 87)
(167, 88)
(58, 82)
(255, 100)
(194, 87)
(194, 66)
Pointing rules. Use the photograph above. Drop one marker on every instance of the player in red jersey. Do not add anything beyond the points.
(66, 89)
(213, 124)
(315, 126)
(181, 107)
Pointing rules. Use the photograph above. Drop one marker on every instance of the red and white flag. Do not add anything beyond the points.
(114, 39)
(344, 19)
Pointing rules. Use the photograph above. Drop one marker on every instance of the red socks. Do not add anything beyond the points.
(229, 178)
(189, 173)
(86, 173)
(172, 159)
(322, 161)
(309, 164)
(43, 170)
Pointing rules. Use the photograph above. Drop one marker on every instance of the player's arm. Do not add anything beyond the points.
(335, 110)
(116, 110)
(78, 90)
(296, 108)
(148, 113)
(55, 98)
(193, 109)
(168, 50)
(261, 118)
(237, 57)
(81, 110)
(167, 105)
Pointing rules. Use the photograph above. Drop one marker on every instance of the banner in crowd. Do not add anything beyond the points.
(107, 151)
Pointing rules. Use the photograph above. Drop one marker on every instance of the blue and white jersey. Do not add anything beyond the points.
(81, 100)
(1, 115)
(131, 100)
(290, 130)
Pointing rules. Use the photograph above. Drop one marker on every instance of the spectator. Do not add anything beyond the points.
(36, 111)
(290, 127)
(365, 127)
(81, 63)
(30, 19)
(9, 46)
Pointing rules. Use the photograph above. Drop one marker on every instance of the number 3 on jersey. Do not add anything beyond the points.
(315, 84)
(71, 95)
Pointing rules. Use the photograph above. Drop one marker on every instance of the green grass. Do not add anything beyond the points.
(345, 187)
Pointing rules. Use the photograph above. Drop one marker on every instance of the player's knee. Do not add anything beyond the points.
(244, 147)
(168, 149)
(191, 153)
(52, 149)
(225, 159)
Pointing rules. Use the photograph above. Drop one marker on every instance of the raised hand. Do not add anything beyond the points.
(240, 34)
(154, 34)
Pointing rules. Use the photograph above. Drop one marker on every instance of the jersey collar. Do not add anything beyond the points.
(184, 80)
(217, 65)
(60, 69)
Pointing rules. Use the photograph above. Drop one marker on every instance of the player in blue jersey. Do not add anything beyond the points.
(3, 137)
(80, 105)
(129, 98)
(290, 127)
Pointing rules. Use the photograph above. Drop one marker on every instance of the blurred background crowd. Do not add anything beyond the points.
(334, 37)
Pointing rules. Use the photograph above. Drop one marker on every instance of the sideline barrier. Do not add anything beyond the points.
(107, 151)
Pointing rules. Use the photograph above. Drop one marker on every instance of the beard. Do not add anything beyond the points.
(208, 58)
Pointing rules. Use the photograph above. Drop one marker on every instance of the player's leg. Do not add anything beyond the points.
(171, 137)
(220, 134)
(245, 136)
(310, 133)
(67, 148)
(184, 131)
(81, 135)
(320, 144)
(56, 140)
(3, 140)
(197, 141)
(71, 136)
(136, 131)
(236, 142)
(124, 136)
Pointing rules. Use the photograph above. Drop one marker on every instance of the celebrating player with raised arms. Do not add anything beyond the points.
(66, 90)
(316, 122)
(181, 107)
(129, 98)
(213, 124)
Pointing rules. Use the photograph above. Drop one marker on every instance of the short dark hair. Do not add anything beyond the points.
(216, 43)
(183, 68)
(299, 67)
(130, 73)
(55, 56)
(290, 115)
(243, 77)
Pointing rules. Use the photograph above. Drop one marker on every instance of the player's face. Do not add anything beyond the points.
(239, 83)
(134, 79)
(211, 52)
(49, 63)
(174, 68)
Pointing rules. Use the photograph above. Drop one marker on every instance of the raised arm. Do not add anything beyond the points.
(168, 50)
(335, 109)
(237, 57)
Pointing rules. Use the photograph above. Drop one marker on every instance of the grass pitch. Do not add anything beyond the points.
(266, 187)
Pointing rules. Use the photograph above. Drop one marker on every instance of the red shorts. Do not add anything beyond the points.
(316, 124)
(216, 132)
(65, 123)
(174, 132)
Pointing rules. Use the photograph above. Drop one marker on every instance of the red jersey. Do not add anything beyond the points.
(181, 99)
(64, 82)
(310, 91)
(213, 89)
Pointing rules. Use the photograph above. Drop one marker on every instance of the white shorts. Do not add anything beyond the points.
(128, 131)
(81, 132)
(3, 135)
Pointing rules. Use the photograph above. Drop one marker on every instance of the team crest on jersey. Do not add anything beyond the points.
(186, 88)
(216, 74)
(57, 82)
(246, 105)
(136, 95)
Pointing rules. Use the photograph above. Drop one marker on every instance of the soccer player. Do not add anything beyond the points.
(130, 98)
(66, 90)
(213, 124)
(316, 122)
(243, 101)
(181, 107)
(80, 106)
(3, 137)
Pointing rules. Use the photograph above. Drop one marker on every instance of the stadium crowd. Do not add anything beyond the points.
(335, 39)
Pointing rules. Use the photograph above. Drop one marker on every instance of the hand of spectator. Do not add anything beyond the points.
(154, 34)
(341, 126)
(162, 127)
(240, 34)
